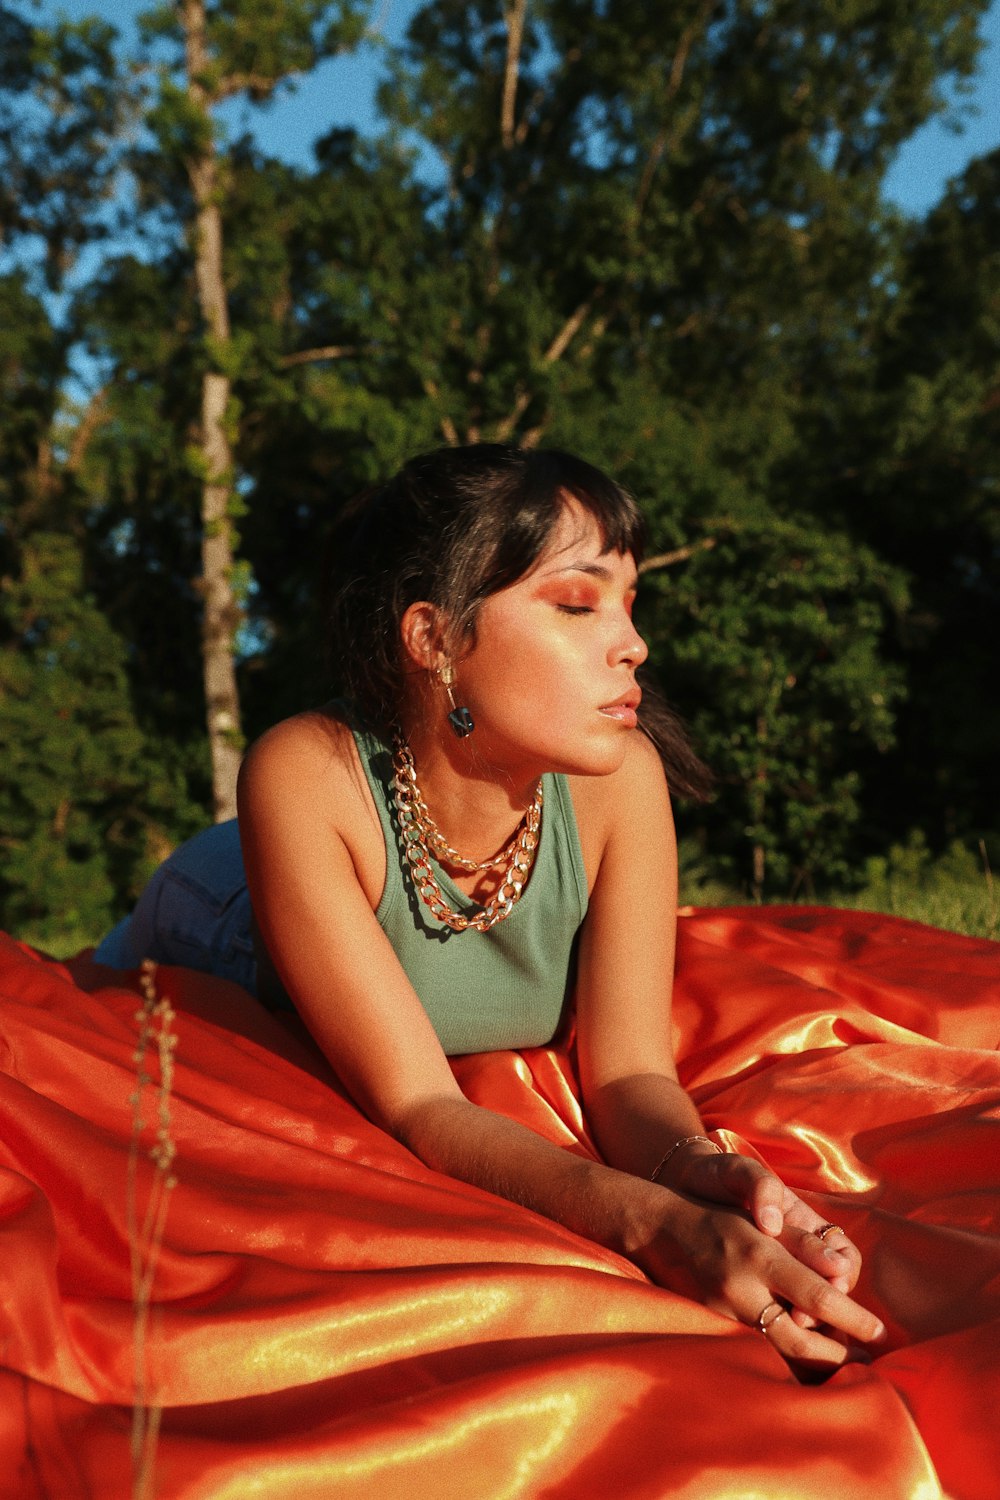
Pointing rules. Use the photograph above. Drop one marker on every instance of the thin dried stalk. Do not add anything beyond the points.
(145, 1238)
(679, 554)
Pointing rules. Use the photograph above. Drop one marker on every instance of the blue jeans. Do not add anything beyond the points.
(195, 911)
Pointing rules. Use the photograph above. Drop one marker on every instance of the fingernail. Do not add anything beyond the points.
(879, 1333)
(771, 1220)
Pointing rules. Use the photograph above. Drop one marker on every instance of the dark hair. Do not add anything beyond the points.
(453, 527)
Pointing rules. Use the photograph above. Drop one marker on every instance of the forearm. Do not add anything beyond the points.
(636, 1121)
(699, 1249)
(621, 1211)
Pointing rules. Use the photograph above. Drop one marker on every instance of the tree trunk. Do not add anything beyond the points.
(220, 608)
(759, 804)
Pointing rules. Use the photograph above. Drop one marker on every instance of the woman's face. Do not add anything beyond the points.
(550, 681)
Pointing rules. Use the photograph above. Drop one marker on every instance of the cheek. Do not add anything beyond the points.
(526, 679)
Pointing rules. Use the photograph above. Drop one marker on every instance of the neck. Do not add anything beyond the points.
(477, 807)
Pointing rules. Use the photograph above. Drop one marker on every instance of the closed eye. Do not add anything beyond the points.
(575, 609)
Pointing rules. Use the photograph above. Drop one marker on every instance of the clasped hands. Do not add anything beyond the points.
(754, 1250)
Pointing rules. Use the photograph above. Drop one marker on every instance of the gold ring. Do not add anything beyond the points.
(821, 1234)
(765, 1328)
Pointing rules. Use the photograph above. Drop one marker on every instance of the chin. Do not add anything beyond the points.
(599, 760)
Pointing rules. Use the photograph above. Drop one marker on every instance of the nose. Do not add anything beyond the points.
(632, 648)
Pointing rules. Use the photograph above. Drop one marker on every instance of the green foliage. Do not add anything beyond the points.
(31, 364)
(673, 259)
(263, 43)
(956, 891)
(84, 804)
(64, 106)
(775, 636)
(926, 454)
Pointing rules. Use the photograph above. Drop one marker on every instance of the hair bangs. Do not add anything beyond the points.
(621, 523)
(508, 538)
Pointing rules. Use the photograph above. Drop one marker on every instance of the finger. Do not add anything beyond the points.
(805, 1347)
(838, 1264)
(767, 1201)
(827, 1304)
(835, 1258)
(801, 1344)
(803, 1319)
(842, 1253)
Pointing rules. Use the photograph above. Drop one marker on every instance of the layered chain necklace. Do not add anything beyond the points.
(422, 838)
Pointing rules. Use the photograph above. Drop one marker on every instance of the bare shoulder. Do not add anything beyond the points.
(312, 744)
(312, 737)
(309, 761)
(302, 792)
(628, 802)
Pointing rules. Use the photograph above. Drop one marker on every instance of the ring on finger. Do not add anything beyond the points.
(765, 1322)
(821, 1234)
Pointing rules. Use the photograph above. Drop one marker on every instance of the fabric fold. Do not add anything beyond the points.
(331, 1318)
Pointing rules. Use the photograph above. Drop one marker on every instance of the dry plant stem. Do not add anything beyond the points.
(145, 1241)
(986, 869)
(679, 554)
(325, 352)
(991, 896)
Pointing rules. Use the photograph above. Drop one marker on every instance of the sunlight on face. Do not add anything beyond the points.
(550, 680)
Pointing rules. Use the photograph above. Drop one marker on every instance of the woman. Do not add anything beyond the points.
(434, 868)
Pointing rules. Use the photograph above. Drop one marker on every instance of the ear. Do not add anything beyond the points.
(422, 636)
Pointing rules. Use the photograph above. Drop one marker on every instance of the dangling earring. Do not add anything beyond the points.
(460, 719)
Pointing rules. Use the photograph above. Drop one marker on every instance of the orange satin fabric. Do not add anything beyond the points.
(332, 1319)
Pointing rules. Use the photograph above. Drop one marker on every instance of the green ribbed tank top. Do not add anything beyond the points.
(485, 991)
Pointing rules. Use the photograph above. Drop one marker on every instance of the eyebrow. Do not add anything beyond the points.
(593, 570)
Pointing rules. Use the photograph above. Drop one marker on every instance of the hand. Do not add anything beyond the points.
(775, 1209)
(736, 1270)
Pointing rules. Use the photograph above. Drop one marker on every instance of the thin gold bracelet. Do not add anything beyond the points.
(687, 1140)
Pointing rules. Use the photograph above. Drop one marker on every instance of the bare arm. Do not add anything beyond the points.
(312, 855)
(631, 1092)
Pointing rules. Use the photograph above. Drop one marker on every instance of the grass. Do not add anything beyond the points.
(955, 891)
(62, 945)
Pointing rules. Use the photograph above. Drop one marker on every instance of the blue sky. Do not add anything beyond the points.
(342, 93)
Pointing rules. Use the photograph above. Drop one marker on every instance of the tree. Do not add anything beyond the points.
(776, 636)
(930, 493)
(64, 105)
(87, 810)
(658, 240)
(225, 50)
(652, 237)
(680, 188)
(80, 793)
(87, 800)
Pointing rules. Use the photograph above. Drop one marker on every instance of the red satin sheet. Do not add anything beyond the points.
(331, 1319)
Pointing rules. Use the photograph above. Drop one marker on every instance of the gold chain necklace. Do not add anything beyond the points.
(435, 840)
(421, 835)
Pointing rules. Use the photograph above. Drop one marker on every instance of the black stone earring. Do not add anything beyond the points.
(460, 719)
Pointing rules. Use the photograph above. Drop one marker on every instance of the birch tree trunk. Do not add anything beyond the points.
(220, 608)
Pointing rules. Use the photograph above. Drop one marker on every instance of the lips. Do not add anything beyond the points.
(623, 709)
